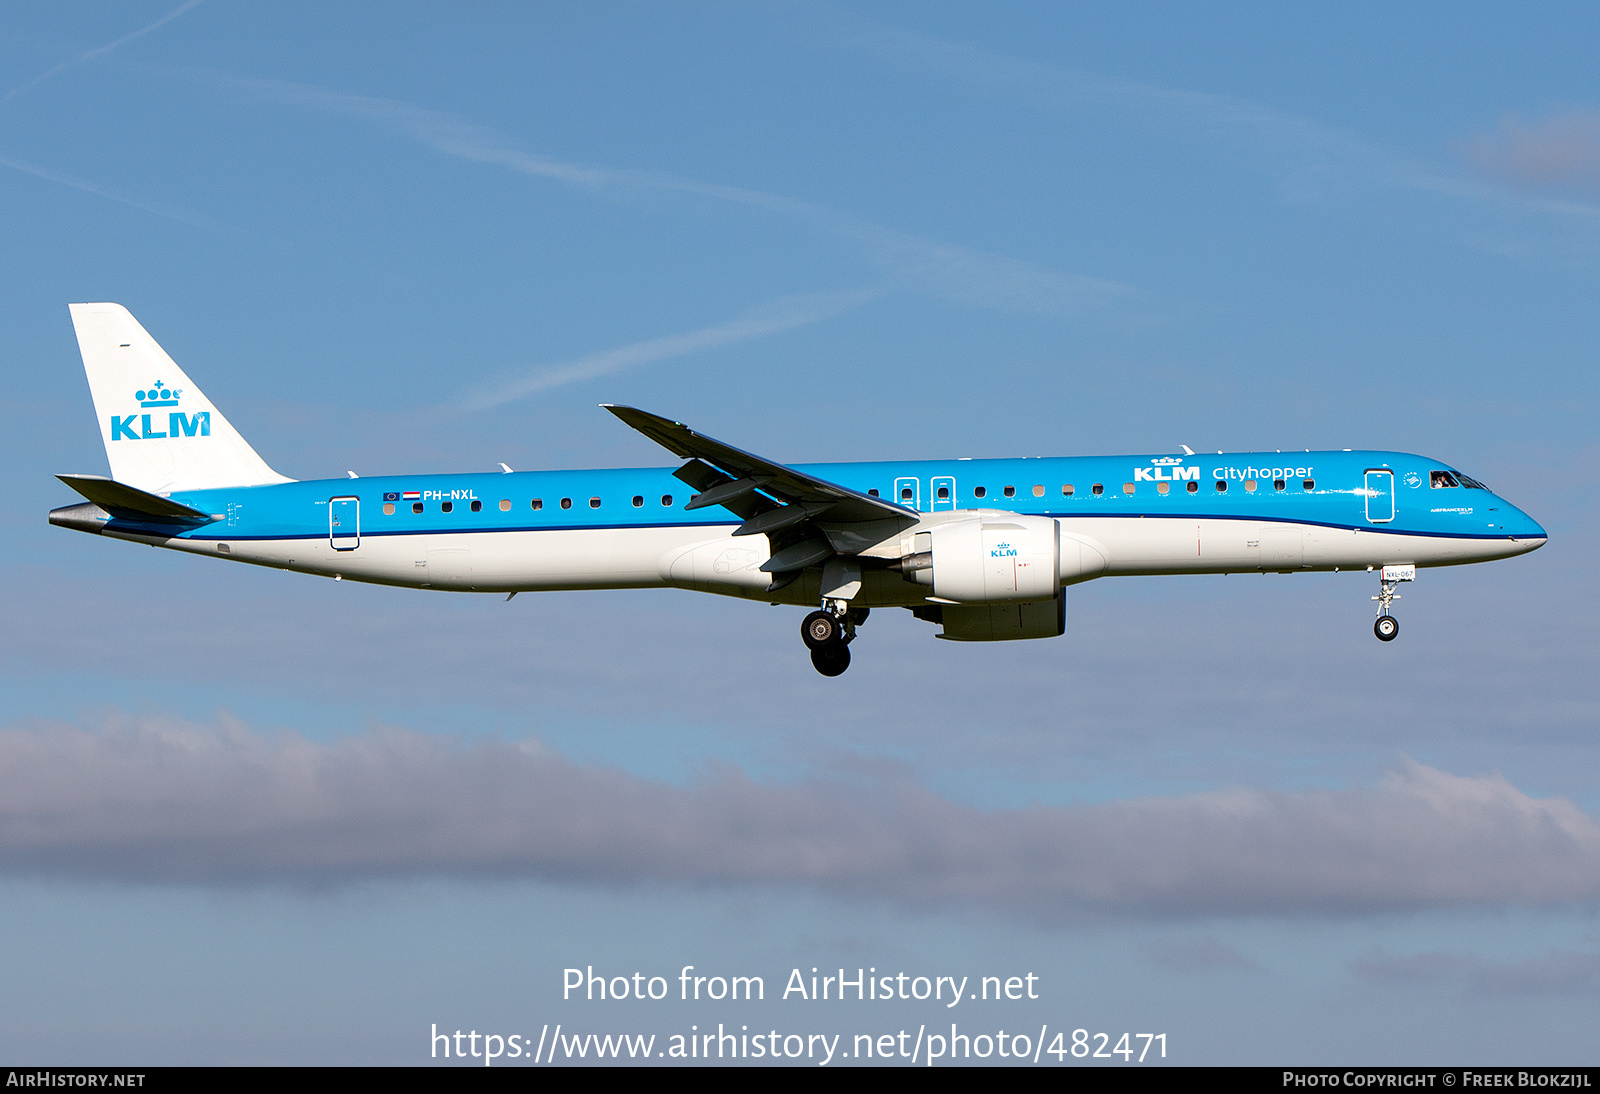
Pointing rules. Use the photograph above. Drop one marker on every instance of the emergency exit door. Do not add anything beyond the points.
(908, 492)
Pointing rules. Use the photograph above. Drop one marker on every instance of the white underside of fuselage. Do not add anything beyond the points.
(707, 559)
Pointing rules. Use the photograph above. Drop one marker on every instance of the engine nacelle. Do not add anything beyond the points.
(1004, 622)
(989, 560)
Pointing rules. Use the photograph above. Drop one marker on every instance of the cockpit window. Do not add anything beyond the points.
(1440, 479)
(1470, 484)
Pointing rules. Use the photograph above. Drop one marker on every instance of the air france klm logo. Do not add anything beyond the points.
(1166, 469)
(178, 423)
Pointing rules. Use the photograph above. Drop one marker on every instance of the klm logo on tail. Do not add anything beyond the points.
(178, 423)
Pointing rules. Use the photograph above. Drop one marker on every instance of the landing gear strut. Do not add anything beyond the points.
(1389, 578)
(828, 634)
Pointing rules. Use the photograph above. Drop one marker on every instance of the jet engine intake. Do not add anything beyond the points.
(1006, 560)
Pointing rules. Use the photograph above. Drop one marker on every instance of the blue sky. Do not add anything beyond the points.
(250, 816)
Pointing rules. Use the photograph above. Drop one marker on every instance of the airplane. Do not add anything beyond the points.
(982, 548)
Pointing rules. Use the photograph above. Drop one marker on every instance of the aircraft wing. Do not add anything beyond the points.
(784, 504)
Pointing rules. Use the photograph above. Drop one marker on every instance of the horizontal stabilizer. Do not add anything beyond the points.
(126, 502)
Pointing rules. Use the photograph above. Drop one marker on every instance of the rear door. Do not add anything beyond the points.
(344, 523)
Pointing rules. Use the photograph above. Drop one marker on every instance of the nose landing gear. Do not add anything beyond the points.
(828, 634)
(1389, 578)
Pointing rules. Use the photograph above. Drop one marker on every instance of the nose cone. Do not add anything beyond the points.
(1521, 528)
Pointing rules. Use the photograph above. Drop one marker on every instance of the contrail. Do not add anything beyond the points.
(85, 185)
(783, 314)
(101, 51)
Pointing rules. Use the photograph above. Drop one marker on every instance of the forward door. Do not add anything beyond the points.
(1380, 496)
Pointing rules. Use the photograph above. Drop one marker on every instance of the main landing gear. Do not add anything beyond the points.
(828, 634)
(1387, 626)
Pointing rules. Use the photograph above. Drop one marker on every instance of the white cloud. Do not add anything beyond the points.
(158, 801)
(1562, 150)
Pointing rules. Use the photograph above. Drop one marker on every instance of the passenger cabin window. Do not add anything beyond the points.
(1442, 479)
(980, 491)
(874, 492)
(944, 493)
(566, 503)
(1163, 487)
(538, 503)
(666, 499)
(1278, 484)
(1249, 486)
(505, 505)
(446, 506)
(905, 493)
(477, 507)
(594, 503)
(1222, 486)
(1194, 487)
(638, 500)
(416, 507)
(1066, 490)
(1038, 490)
(1310, 484)
(1097, 489)
(388, 508)
(1011, 491)
(1127, 488)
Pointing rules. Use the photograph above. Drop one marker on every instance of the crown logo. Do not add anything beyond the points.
(1166, 461)
(159, 395)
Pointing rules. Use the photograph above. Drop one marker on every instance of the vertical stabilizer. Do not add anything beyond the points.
(160, 431)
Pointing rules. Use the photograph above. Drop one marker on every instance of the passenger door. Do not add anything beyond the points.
(344, 523)
(1380, 496)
